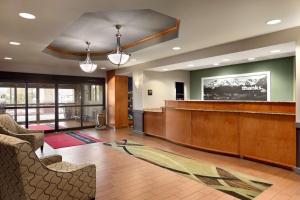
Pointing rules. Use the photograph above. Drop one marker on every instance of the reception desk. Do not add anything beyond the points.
(262, 131)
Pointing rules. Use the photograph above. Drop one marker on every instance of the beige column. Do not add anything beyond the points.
(138, 106)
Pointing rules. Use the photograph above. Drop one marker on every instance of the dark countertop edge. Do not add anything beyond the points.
(232, 101)
(234, 111)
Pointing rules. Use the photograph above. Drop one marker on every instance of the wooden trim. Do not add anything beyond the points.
(243, 106)
(234, 111)
(126, 46)
(153, 36)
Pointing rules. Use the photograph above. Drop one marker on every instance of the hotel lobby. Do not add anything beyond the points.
(150, 100)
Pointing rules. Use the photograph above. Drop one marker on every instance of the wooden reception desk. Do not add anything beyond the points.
(262, 131)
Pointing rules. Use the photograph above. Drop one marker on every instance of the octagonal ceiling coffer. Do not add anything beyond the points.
(140, 29)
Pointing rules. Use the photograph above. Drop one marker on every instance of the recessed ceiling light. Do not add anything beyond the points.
(191, 65)
(15, 43)
(226, 60)
(165, 69)
(275, 51)
(250, 59)
(216, 64)
(176, 48)
(27, 15)
(273, 21)
(7, 58)
(103, 68)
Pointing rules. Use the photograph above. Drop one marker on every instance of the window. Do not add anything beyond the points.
(32, 98)
(47, 96)
(94, 94)
(7, 95)
(66, 95)
(21, 96)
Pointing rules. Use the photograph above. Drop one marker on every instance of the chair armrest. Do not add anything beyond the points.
(20, 129)
(27, 137)
(88, 176)
(48, 160)
(77, 183)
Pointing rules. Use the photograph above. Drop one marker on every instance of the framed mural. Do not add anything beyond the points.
(248, 87)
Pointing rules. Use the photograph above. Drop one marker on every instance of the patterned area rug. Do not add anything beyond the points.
(68, 139)
(236, 184)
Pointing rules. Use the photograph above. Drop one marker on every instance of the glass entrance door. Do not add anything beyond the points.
(69, 106)
(52, 106)
(41, 106)
(92, 103)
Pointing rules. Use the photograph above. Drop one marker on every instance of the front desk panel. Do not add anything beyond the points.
(215, 131)
(270, 138)
(178, 126)
(263, 131)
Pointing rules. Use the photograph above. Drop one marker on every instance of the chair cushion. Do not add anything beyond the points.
(64, 167)
(8, 122)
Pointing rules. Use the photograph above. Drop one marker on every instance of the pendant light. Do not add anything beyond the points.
(118, 57)
(88, 66)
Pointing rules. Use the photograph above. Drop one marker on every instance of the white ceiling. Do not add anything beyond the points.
(265, 53)
(204, 23)
(98, 28)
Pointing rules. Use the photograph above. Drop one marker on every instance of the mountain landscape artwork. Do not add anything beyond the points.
(250, 87)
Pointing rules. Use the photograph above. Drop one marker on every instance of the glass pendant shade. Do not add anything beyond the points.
(88, 66)
(118, 57)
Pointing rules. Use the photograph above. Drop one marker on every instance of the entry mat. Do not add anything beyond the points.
(68, 139)
(236, 184)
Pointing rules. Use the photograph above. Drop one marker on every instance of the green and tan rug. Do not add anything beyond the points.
(239, 185)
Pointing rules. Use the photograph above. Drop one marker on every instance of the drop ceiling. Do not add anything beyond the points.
(204, 23)
(141, 28)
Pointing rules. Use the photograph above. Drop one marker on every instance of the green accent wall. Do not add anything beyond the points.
(282, 76)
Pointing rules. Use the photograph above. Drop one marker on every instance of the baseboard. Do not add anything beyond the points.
(297, 170)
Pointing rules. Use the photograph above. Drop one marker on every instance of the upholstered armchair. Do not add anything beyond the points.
(23, 176)
(9, 126)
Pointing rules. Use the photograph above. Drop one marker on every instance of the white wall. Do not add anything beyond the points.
(162, 85)
(137, 89)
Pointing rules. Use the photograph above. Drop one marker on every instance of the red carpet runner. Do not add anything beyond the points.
(68, 139)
